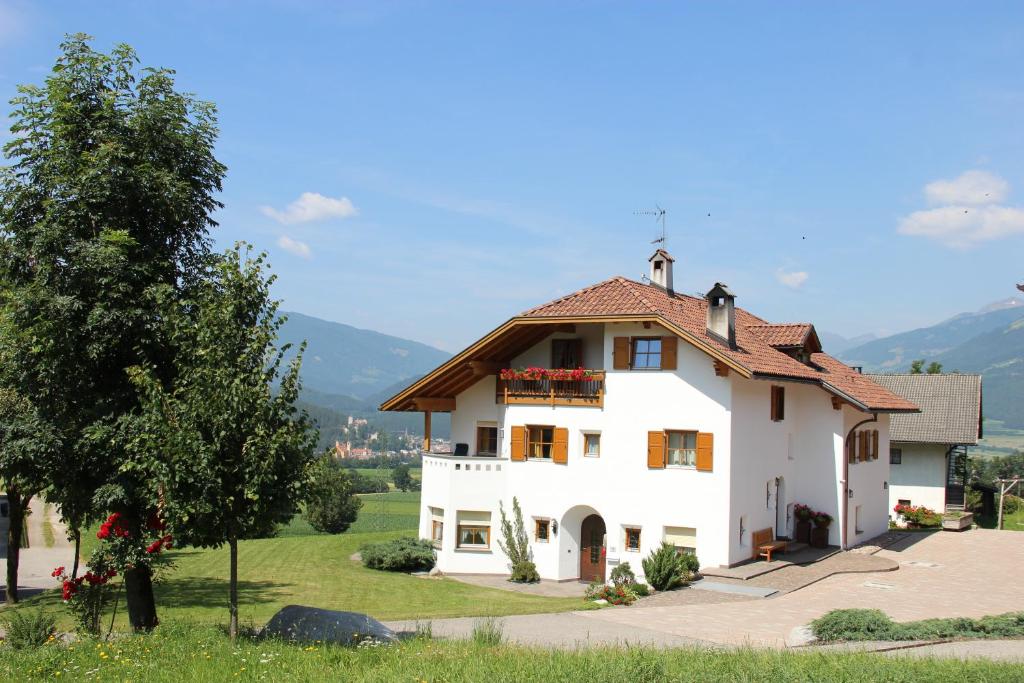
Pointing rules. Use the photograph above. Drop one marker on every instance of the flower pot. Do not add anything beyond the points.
(819, 537)
(960, 523)
(803, 531)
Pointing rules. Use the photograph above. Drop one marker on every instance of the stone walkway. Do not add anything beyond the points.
(546, 587)
(37, 562)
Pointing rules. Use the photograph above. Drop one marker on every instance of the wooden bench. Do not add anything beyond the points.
(765, 544)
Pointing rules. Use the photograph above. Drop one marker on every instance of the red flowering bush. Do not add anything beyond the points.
(617, 594)
(918, 516)
(557, 374)
(87, 595)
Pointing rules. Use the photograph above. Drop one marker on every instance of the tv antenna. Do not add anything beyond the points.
(659, 215)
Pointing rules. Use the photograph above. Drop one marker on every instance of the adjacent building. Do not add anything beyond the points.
(627, 414)
(928, 450)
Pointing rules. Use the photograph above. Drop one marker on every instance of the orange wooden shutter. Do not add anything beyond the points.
(519, 443)
(668, 352)
(620, 353)
(655, 449)
(705, 451)
(560, 447)
(862, 453)
(874, 444)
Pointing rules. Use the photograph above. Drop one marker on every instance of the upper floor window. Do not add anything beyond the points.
(682, 449)
(486, 440)
(778, 404)
(592, 445)
(646, 353)
(567, 353)
(895, 456)
(539, 441)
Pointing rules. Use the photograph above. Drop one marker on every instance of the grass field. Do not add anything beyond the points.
(303, 567)
(998, 440)
(184, 652)
(1014, 522)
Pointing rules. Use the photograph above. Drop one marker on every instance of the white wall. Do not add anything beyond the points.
(920, 478)
(868, 481)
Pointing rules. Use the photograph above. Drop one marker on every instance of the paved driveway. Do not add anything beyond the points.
(943, 574)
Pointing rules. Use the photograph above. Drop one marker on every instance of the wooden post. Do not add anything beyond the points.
(426, 431)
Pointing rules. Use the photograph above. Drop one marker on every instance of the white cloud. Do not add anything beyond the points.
(311, 206)
(964, 226)
(792, 279)
(970, 214)
(296, 247)
(971, 187)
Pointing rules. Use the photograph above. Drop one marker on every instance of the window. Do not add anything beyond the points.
(903, 501)
(539, 441)
(542, 530)
(474, 530)
(647, 353)
(895, 456)
(778, 404)
(682, 449)
(592, 445)
(683, 538)
(486, 440)
(436, 526)
(633, 539)
(567, 353)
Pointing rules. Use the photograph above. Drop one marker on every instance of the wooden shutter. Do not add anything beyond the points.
(778, 403)
(655, 449)
(874, 444)
(560, 447)
(519, 443)
(862, 452)
(620, 354)
(705, 451)
(668, 352)
(851, 449)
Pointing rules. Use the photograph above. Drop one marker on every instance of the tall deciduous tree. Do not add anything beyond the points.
(224, 442)
(108, 197)
(27, 446)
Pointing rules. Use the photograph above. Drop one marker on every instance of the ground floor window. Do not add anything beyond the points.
(592, 445)
(633, 539)
(436, 526)
(474, 530)
(542, 530)
(895, 456)
(684, 539)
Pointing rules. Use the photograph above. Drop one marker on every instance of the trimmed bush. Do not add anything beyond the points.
(30, 628)
(642, 590)
(405, 554)
(524, 572)
(666, 568)
(873, 624)
(623, 575)
(853, 624)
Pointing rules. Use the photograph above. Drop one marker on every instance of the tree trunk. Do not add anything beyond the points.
(77, 533)
(138, 587)
(233, 590)
(16, 510)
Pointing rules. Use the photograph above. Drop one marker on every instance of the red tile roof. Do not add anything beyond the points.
(755, 338)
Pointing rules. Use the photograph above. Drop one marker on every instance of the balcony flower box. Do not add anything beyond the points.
(958, 521)
(558, 386)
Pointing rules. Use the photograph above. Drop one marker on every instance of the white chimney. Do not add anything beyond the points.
(722, 313)
(661, 269)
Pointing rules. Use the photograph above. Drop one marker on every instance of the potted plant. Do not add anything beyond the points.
(803, 516)
(957, 521)
(819, 535)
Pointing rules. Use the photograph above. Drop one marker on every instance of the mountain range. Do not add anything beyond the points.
(989, 341)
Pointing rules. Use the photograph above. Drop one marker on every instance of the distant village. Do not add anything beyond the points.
(362, 442)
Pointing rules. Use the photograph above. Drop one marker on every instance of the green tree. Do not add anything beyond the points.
(223, 442)
(516, 545)
(108, 197)
(402, 478)
(917, 366)
(27, 446)
(934, 368)
(331, 503)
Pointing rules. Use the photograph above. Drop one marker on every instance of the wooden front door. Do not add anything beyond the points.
(592, 534)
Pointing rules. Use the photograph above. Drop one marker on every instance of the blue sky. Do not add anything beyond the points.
(430, 169)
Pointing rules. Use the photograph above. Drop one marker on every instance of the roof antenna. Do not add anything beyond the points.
(659, 215)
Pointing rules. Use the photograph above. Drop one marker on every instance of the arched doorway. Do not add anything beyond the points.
(592, 555)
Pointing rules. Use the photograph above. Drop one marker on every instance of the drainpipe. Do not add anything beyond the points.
(846, 478)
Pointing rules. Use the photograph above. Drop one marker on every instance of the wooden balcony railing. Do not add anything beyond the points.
(556, 392)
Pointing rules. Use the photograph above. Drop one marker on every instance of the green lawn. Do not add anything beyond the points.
(303, 567)
(184, 652)
(1014, 522)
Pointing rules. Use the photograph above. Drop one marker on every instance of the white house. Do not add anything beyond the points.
(698, 423)
(928, 450)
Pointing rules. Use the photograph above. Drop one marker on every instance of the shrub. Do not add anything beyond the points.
(853, 624)
(1011, 504)
(405, 554)
(516, 545)
(488, 632)
(641, 590)
(331, 505)
(666, 568)
(919, 516)
(691, 564)
(618, 594)
(623, 575)
(28, 629)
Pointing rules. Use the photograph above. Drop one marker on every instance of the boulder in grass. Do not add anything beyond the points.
(309, 624)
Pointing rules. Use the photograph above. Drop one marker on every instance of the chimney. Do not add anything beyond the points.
(661, 270)
(722, 314)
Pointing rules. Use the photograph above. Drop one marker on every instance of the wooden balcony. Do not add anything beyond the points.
(587, 392)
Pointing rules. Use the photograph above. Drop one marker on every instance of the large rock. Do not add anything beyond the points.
(307, 624)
